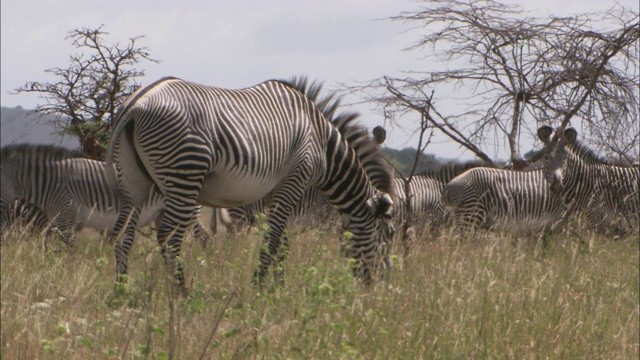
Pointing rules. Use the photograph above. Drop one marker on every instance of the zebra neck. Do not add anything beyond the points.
(345, 183)
(580, 178)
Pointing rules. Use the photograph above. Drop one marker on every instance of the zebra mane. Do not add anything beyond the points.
(31, 151)
(357, 136)
(448, 171)
(368, 151)
(327, 105)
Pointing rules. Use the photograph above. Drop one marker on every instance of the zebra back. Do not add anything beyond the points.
(24, 169)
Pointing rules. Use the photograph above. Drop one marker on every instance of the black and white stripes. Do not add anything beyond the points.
(425, 196)
(577, 175)
(68, 190)
(487, 196)
(224, 148)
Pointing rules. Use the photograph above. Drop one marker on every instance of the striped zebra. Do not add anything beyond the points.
(314, 208)
(488, 197)
(18, 162)
(425, 193)
(68, 190)
(225, 148)
(576, 174)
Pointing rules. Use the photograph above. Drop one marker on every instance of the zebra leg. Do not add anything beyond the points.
(199, 231)
(470, 220)
(274, 246)
(5, 220)
(67, 235)
(281, 208)
(213, 223)
(65, 222)
(201, 234)
(127, 220)
(178, 216)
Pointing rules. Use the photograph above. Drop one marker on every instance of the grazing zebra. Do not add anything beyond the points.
(487, 197)
(225, 148)
(18, 162)
(70, 191)
(426, 202)
(578, 175)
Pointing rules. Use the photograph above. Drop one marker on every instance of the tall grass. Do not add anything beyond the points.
(494, 297)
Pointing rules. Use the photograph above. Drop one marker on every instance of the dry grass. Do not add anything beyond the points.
(492, 298)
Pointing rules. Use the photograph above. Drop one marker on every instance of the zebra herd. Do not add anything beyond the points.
(278, 148)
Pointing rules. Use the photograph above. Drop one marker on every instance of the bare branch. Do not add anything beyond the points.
(87, 93)
(500, 73)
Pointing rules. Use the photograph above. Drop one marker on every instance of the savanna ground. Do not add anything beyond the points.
(494, 297)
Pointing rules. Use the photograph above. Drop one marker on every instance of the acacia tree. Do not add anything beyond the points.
(500, 74)
(85, 95)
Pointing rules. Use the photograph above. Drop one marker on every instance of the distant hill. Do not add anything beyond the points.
(403, 160)
(18, 125)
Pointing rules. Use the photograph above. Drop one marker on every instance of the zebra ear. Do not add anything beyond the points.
(544, 133)
(379, 134)
(571, 135)
(380, 205)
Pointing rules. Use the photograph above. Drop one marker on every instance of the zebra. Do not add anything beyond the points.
(576, 174)
(28, 161)
(68, 190)
(226, 147)
(490, 197)
(425, 193)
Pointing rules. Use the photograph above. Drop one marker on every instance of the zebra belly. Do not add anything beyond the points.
(97, 219)
(105, 220)
(232, 190)
(149, 214)
(523, 222)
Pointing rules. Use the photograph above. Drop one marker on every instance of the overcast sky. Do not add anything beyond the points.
(237, 43)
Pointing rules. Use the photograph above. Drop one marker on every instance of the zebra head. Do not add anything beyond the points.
(555, 155)
(371, 229)
(381, 207)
